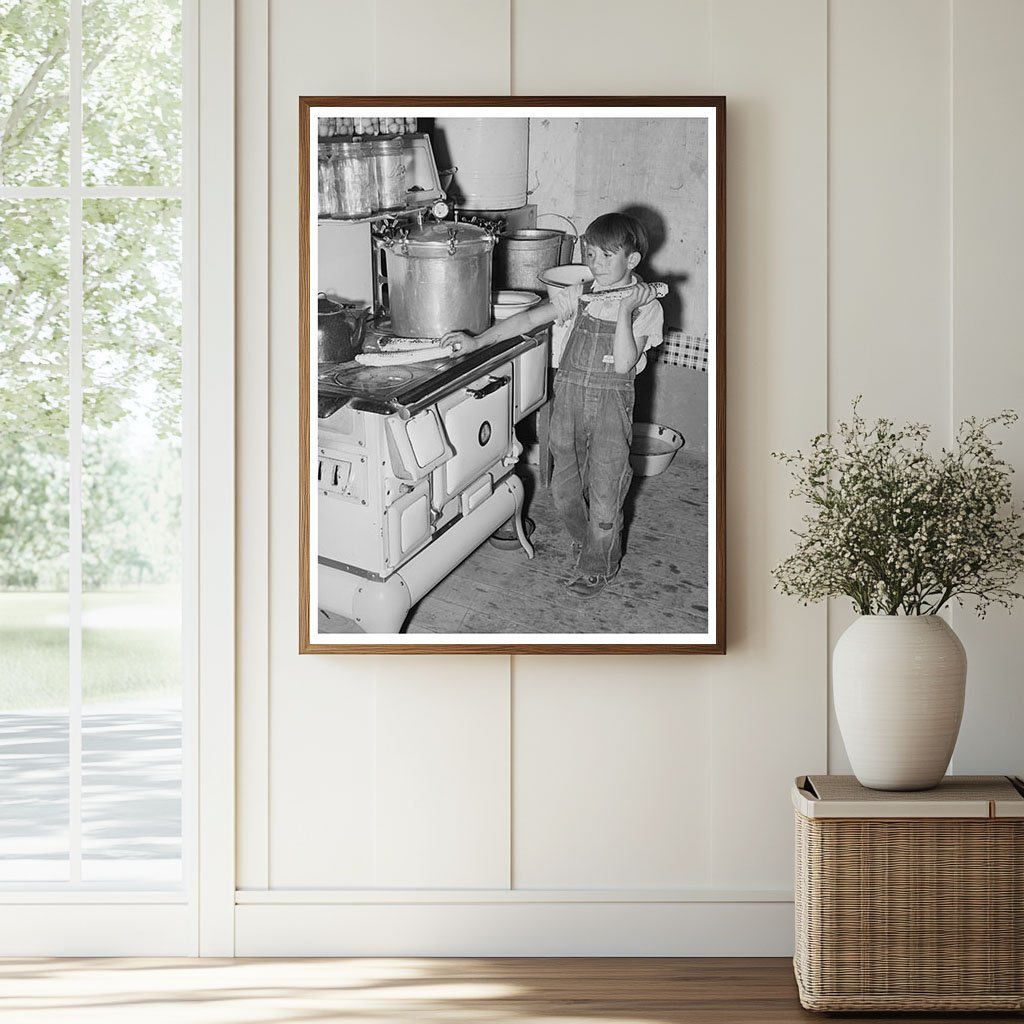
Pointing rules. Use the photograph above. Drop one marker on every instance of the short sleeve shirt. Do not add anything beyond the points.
(648, 320)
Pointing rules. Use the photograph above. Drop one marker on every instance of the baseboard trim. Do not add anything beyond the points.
(73, 930)
(345, 897)
(515, 928)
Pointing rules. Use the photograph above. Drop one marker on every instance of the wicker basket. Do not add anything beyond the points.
(910, 901)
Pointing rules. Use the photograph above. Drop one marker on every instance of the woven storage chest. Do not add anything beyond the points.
(910, 901)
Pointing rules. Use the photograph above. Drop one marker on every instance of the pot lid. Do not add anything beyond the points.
(443, 238)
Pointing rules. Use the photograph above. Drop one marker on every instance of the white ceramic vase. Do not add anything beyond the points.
(898, 685)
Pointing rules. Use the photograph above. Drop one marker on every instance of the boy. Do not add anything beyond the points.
(592, 417)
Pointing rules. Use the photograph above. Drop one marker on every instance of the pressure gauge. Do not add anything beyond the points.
(440, 209)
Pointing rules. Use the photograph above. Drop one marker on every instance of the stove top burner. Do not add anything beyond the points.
(380, 383)
(380, 389)
(402, 388)
(354, 378)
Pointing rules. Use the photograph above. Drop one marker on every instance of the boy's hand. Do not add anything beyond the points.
(458, 341)
(639, 296)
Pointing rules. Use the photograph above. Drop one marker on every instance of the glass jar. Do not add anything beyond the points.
(353, 179)
(328, 194)
(389, 173)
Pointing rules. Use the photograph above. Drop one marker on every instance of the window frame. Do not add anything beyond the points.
(69, 918)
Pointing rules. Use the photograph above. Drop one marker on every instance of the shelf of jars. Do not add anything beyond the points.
(355, 126)
(372, 177)
(410, 207)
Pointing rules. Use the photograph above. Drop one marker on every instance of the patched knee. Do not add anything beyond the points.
(606, 526)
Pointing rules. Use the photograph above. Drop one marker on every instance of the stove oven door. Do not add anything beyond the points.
(416, 445)
(531, 380)
(478, 424)
(407, 524)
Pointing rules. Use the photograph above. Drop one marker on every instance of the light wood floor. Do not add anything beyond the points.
(662, 586)
(414, 991)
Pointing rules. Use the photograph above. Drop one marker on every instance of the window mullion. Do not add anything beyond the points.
(94, 191)
(75, 304)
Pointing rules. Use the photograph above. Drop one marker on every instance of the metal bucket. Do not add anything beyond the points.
(569, 241)
(521, 256)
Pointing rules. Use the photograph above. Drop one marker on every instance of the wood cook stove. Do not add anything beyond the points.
(415, 471)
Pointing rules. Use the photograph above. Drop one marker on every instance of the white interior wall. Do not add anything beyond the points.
(889, 241)
(985, 363)
(556, 804)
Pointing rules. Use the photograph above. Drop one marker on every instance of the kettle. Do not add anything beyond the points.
(339, 330)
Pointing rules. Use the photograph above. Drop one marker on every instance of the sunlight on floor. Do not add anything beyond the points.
(220, 991)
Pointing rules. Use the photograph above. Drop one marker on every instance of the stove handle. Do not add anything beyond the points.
(494, 384)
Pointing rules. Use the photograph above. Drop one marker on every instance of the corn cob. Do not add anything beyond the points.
(421, 355)
(396, 344)
(660, 291)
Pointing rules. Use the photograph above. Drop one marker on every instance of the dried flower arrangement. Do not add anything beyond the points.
(899, 530)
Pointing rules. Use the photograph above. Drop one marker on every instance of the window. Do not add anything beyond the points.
(95, 463)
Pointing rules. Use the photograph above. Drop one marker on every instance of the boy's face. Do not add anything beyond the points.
(610, 267)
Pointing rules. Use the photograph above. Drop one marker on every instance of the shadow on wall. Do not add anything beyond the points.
(656, 231)
(673, 396)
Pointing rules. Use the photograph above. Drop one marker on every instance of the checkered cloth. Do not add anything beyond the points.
(686, 350)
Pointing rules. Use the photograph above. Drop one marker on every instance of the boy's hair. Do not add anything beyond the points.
(612, 231)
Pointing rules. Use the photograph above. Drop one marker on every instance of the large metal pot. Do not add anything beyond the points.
(439, 279)
(339, 330)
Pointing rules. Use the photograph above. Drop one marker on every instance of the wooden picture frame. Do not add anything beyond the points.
(402, 519)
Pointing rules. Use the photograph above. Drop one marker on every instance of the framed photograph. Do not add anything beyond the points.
(512, 375)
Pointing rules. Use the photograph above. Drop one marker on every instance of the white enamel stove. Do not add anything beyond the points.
(416, 471)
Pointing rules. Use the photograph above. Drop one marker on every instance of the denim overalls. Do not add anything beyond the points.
(591, 428)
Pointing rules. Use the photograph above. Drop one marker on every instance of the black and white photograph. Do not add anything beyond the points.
(512, 358)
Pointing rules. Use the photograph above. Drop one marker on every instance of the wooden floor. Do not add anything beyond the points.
(662, 586)
(414, 991)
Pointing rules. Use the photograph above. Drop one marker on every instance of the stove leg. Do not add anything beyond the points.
(382, 607)
(376, 606)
